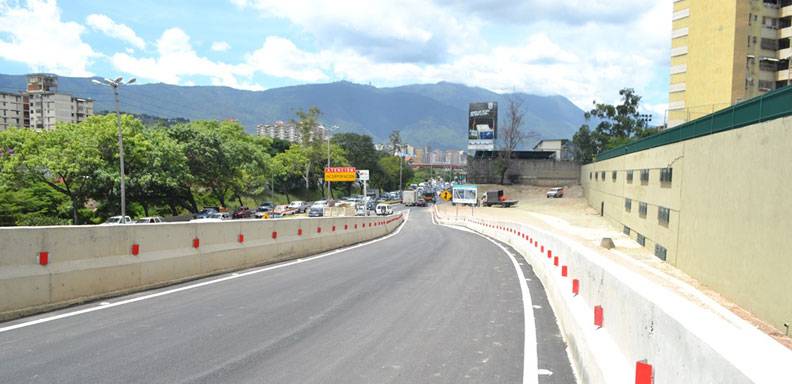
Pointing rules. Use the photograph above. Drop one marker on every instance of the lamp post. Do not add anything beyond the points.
(115, 84)
(327, 134)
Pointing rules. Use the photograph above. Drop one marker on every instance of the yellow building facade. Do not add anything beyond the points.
(724, 52)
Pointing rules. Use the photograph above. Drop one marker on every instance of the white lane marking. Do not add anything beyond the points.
(530, 356)
(232, 276)
(545, 372)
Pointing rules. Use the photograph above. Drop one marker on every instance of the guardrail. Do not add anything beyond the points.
(42, 268)
(622, 327)
(769, 106)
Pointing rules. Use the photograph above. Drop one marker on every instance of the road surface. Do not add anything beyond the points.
(430, 304)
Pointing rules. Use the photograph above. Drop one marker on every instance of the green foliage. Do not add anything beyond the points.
(617, 125)
(388, 180)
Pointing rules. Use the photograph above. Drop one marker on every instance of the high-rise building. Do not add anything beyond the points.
(288, 131)
(726, 51)
(40, 106)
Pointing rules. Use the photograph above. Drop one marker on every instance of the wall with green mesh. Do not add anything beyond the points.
(769, 106)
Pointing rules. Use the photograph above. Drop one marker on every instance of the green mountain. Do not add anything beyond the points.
(426, 114)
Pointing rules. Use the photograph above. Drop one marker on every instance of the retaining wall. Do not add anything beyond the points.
(42, 268)
(647, 333)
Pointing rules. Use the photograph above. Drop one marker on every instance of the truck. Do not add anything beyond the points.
(409, 198)
(497, 197)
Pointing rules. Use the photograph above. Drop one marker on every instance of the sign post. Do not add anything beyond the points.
(363, 175)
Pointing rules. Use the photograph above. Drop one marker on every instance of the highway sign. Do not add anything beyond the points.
(363, 174)
(445, 195)
(465, 194)
(340, 174)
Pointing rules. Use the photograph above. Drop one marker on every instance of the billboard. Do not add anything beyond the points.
(482, 126)
(465, 194)
(340, 174)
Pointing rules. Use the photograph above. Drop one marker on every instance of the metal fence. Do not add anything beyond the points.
(769, 106)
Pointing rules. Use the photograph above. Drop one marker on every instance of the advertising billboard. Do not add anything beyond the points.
(340, 174)
(482, 126)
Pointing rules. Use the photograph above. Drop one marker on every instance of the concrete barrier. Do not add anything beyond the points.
(647, 329)
(89, 262)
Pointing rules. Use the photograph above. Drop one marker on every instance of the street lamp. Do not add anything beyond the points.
(115, 84)
(327, 135)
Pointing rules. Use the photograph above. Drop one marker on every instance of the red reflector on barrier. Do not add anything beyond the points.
(555, 261)
(318, 229)
(598, 316)
(643, 373)
(334, 228)
(575, 287)
(43, 258)
(355, 226)
(346, 226)
(135, 249)
(563, 271)
(274, 235)
(549, 253)
(299, 231)
(196, 243)
(241, 238)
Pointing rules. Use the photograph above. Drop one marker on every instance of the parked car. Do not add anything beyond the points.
(267, 204)
(295, 205)
(262, 211)
(116, 220)
(242, 213)
(149, 220)
(360, 210)
(555, 192)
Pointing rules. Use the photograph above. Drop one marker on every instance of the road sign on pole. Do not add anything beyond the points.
(363, 174)
(445, 195)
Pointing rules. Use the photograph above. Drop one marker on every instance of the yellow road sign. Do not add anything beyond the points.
(445, 195)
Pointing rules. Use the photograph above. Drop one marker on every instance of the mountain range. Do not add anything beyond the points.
(426, 114)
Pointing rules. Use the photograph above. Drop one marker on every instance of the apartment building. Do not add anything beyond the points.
(288, 131)
(11, 112)
(40, 106)
(724, 52)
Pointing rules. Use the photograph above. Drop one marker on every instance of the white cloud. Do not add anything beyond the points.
(36, 36)
(110, 28)
(279, 57)
(220, 46)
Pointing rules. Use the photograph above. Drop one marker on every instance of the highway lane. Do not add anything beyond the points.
(428, 305)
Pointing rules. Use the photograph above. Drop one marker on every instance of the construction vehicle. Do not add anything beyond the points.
(497, 197)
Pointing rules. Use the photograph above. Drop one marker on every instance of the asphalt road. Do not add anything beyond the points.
(430, 304)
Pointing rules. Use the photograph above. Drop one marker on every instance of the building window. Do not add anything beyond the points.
(663, 216)
(644, 176)
(660, 252)
(626, 230)
(613, 176)
(596, 175)
(628, 205)
(603, 175)
(665, 177)
(642, 210)
(641, 239)
(589, 175)
(629, 177)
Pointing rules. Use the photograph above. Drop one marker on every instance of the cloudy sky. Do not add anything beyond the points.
(582, 49)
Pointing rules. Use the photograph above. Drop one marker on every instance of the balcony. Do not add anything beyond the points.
(782, 75)
(785, 33)
(784, 53)
(786, 11)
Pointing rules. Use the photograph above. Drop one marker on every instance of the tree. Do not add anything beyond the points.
(617, 125)
(389, 179)
(359, 151)
(65, 159)
(510, 137)
(395, 140)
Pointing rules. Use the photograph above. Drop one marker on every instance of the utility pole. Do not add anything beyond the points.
(115, 84)
(400, 169)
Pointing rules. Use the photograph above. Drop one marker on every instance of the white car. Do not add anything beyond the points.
(116, 220)
(555, 192)
(296, 204)
(213, 218)
(383, 210)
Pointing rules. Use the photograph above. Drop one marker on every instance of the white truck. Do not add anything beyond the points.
(409, 198)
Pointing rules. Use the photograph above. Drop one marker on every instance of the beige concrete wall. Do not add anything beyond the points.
(88, 262)
(525, 171)
(730, 207)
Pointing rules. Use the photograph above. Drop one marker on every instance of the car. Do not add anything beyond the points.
(242, 213)
(267, 204)
(317, 209)
(283, 210)
(555, 192)
(204, 213)
(262, 211)
(360, 210)
(383, 210)
(116, 220)
(213, 217)
(296, 205)
(149, 220)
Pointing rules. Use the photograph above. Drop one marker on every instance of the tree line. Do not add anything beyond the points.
(70, 174)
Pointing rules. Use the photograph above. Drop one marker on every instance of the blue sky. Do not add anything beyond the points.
(582, 49)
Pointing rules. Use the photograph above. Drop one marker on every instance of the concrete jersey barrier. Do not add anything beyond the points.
(621, 327)
(42, 268)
